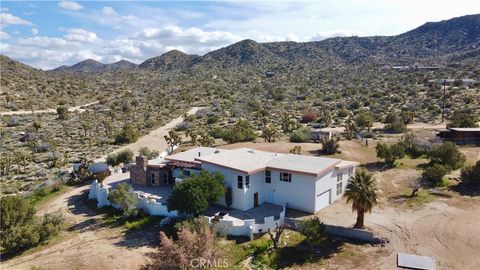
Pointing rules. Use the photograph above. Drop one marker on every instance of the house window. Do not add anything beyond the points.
(339, 188)
(153, 178)
(165, 178)
(240, 181)
(340, 177)
(268, 177)
(247, 181)
(285, 177)
(186, 173)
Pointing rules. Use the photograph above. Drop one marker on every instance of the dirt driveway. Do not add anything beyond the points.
(89, 243)
(445, 228)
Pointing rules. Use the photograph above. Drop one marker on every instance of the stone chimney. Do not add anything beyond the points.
(141, 161)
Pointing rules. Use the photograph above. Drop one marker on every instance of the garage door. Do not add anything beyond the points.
(323, 200)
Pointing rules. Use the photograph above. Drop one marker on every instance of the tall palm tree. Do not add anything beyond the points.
(362, 192)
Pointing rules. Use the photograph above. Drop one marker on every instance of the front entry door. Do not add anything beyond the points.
(255, 199)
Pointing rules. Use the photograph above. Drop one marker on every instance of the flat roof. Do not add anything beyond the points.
(300, 163)
(466, 129)
(242, 159)
(250, 161)
(192, 154)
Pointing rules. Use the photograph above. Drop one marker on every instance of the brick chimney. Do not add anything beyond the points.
(141, 161)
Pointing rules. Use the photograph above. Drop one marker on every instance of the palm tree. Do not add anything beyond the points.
(362, 192)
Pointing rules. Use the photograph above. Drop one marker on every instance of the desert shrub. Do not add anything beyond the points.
(447, 154)
(129, 134)
(314, 230)
(390, 153)
(330, 146)
(212, 119)
(184, 126)
(471, 174)
(193, 195)
(343, 113)
(303, 134)
(13, 122)
(195, 241)
(412, 146)
(463, 120)
(124, 198)
(434, 174)
(63, 113)
(309, 116)
(364, 120)
(20, 228)
(150, 154)
(241, 131)
(216, 132)
(125, 156)
(396, 127)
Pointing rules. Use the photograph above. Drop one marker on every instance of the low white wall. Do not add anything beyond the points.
(248, 227)
(240, 228)
(150, 206)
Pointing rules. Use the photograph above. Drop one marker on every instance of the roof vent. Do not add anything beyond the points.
(251, 151)
(199, 154)
(216, 151)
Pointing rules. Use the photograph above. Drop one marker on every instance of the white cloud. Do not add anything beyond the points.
(81, 35)
(4, 35)
(70, 5)
(109, 11)
(7, 18)
(34, 31)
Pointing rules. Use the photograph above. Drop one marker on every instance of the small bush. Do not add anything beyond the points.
(309, 116)
(434, 174)
(303, 134)
(129, 134)
(470, 175)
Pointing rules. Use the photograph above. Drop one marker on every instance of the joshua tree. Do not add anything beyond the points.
(270, 133)
(362, 192)
(193, 135)
(172, 139)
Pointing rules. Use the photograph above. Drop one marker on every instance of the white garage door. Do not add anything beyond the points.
(323, 200)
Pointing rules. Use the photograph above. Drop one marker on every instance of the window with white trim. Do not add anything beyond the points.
(339, 177)
(240, 182)
(339, 188)
(268, 177)
(285, 177)
(247, 181)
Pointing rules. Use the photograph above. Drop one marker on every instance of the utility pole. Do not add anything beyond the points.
(443, 107)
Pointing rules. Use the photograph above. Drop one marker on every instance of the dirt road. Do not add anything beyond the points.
(445, 229)
(90, 243)
(71, 109)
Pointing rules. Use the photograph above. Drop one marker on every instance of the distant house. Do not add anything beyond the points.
(318, 134)
(269, 74)
(94, 168)
(460, 135)
(467, 82)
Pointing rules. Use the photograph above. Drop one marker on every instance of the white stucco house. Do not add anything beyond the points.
(300, 182)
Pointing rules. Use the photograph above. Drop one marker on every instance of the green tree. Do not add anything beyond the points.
(150, 154)
(173, 139)
(362, 192)
(129, 134)
(330, 146)
(270, 133)
(314, 230)
(470, 175)
(463, 120)
(193, 195)
(205, 139)
(124, 197)
(63, 113)
(364, 120)
(447, 154)
(303, 134)
(390, 153)
(241, 131)
(125, 156)
(434, 174)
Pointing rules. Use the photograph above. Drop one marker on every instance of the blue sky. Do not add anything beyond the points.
(47, 34)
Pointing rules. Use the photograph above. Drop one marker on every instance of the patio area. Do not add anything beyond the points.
(159, 193)
(237, 216)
